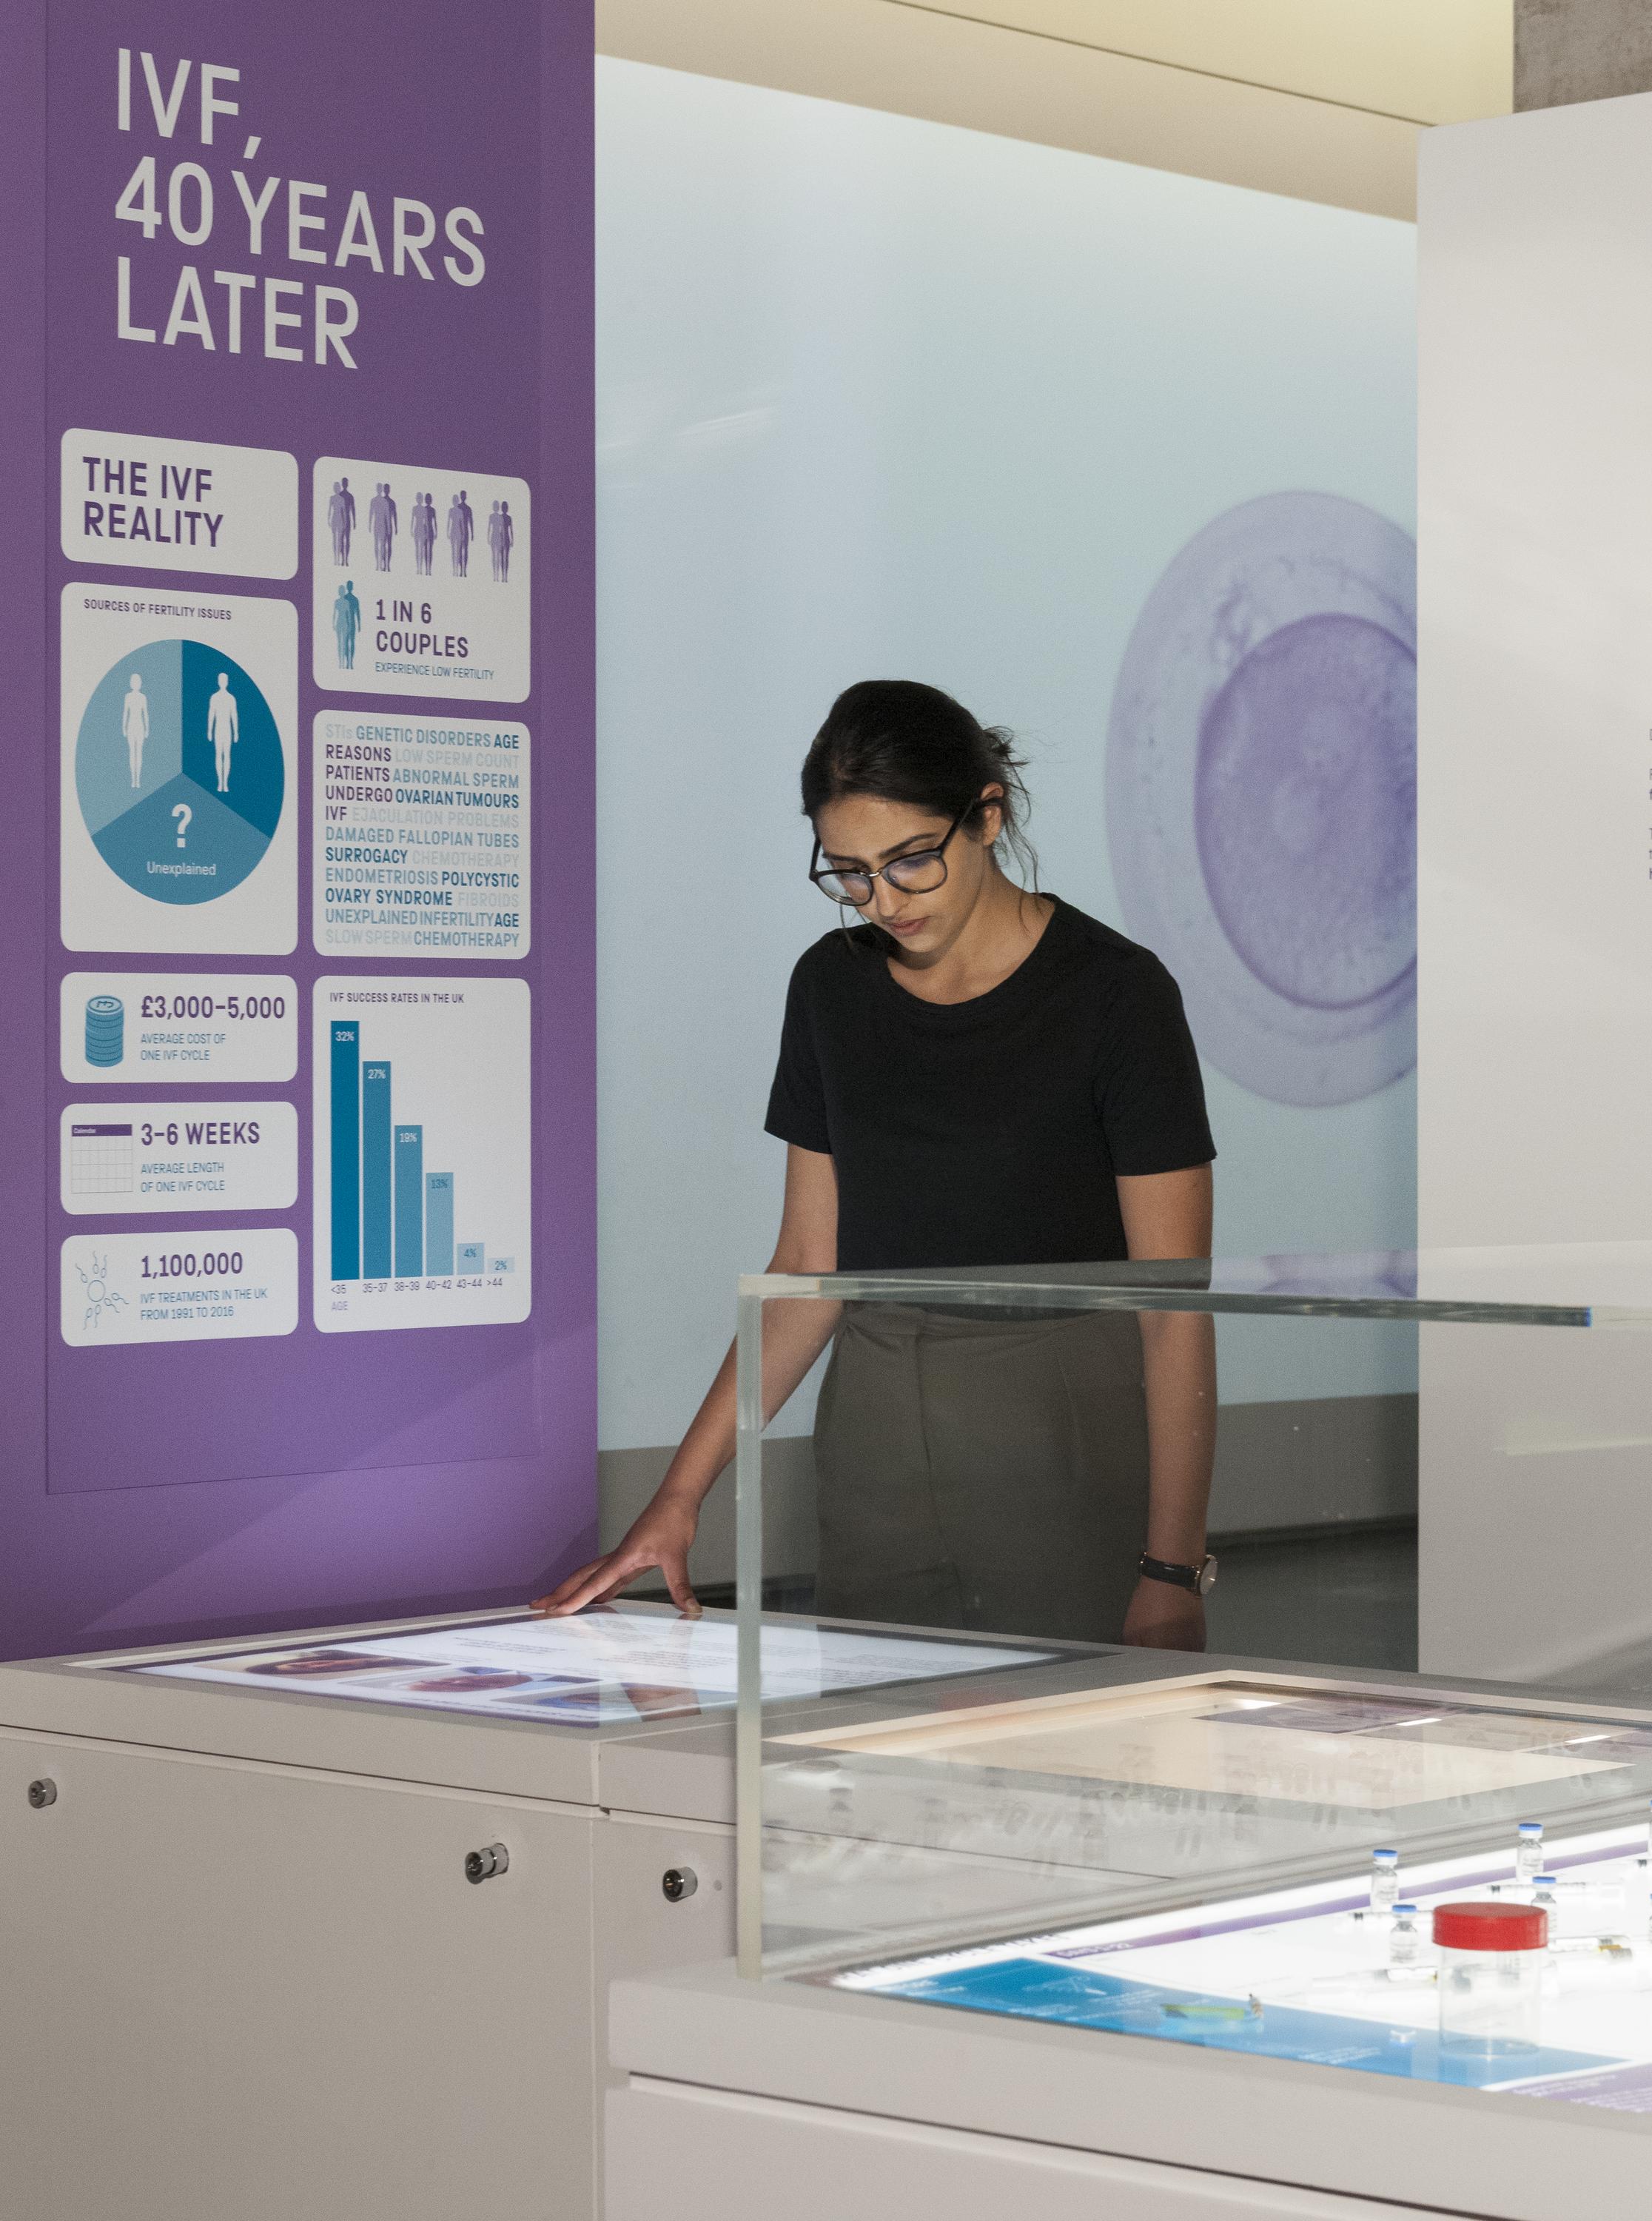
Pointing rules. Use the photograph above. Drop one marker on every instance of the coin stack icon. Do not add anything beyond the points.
(105, 1030)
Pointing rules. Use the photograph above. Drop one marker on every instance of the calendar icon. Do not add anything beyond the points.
(100, 1160)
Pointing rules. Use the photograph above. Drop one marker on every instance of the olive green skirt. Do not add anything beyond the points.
(982, 1473)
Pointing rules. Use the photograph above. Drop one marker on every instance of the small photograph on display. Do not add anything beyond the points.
(325, 1665)
(421, 581)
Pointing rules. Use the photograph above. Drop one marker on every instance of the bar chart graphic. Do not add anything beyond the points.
(423, 1152)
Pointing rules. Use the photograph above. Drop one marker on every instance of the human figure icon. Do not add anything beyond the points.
(384, 520)
(461, 531)
(223, 728)
(346, 624)
(423, 527)
(342, 512)
(500, 533)
(134, 725)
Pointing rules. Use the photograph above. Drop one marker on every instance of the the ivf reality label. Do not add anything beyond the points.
(179, 504)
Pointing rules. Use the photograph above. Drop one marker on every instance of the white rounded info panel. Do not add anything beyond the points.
(119, 1158)
(179, 739)
(179, 505)
(421, 580)
(423, 1153)
(219, 1027)
(422, 836)
(220, 1286)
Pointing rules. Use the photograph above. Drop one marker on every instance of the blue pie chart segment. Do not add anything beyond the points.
(179, 772)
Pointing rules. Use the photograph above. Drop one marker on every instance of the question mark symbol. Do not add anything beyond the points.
(183, 813)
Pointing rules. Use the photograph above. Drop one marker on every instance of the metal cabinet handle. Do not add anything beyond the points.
(678, 1882)
(484, 1865)
(42, 1793)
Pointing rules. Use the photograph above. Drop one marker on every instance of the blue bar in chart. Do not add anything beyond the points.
(346, 1078)
(409, 1202)
(471, 1256)
(439, 1223)
(375, 1251)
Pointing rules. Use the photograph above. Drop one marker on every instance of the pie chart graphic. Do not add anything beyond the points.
(179, 771)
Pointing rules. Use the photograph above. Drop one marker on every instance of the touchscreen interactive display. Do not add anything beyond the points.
(609, 1666)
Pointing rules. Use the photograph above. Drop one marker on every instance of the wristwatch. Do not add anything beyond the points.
(1200, 1579)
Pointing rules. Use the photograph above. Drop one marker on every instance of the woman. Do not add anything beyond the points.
(975, 1075)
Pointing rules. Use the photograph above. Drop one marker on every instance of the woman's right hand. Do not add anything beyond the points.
(793, 1339)
(662, 1537)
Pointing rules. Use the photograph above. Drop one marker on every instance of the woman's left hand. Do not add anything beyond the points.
(1163, 1618)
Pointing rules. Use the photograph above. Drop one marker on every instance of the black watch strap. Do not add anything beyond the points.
(1197, 1578)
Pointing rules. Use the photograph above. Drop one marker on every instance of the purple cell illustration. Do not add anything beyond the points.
(1262, 808)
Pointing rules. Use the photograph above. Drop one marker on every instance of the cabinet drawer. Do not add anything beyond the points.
(718, 2155)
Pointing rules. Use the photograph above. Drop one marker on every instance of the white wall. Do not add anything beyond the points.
(881, 397)
(1535, 882)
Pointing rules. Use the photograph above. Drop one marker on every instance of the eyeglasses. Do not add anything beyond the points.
(920, 872)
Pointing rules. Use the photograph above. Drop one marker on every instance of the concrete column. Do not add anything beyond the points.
(1571, 50)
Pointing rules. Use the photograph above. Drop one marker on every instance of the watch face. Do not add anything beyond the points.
(1207, 1577)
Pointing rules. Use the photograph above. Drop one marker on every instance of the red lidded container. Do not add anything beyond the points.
(1491, 1927)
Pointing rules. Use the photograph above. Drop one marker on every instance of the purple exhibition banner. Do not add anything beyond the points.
(296, 1108)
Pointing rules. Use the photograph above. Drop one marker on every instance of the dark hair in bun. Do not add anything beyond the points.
(907, 742)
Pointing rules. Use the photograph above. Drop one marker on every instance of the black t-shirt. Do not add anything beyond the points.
(989, 1132)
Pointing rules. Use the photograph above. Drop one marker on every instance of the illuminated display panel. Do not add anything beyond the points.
(608, 1666)
(1307, 1974)
(1313, 1972)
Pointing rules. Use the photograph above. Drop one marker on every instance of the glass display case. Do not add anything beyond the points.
(1432, 1863)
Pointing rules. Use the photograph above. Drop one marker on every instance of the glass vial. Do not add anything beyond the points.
(1385, 1881)
(1404, 1941)
(1528, 1851)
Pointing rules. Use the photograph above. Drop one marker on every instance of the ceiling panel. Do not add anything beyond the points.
(1429, 61)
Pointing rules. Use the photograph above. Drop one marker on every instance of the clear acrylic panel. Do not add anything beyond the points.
(1024, 1789)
